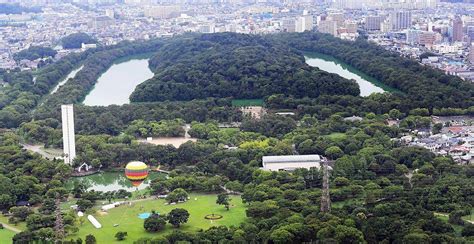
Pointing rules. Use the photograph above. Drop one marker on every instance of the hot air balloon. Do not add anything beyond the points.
(136, 172)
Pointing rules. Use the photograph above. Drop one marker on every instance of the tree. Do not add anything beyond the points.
(90, 239)
(23, 237)
(395, 114)
(334, 152)
(468, 230)
(345, 234)
(437, 128)
(84, 204)
(75, 40)
(234, 186)
(455, 217)
(178, 216)
(223, 199)
(154, 223)
(20, 212)
(281, 236)
(120, 236)
(34, 52)
(416, 238)
(178, 194)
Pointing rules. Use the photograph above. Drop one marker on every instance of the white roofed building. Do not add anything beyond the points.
(290, 162)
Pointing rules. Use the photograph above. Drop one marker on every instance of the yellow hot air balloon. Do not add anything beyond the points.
(136, 172)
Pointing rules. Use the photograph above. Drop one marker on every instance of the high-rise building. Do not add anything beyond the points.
(69, 141)
(328, 26)
(372, 23)
(289, 25)
(401, 20)
(162, 11)
(304, 23)
(101, 22)
(427, 38)
(458, 33)
(413, 36)
(386, 26)
(471, 55)
(470, 32)
(337, 17)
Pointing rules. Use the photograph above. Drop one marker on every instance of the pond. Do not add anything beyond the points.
(118, 82)
(71, 75)
(367, 84)
(111, 181)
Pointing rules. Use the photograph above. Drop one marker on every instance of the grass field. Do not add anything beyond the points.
(6, 236)
(20, 226)
(127, 218)
(341, 204)
(337, 136)
(444, 218)
(247, 102)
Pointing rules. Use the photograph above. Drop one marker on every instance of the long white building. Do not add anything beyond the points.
(290, 162)
(69, 140)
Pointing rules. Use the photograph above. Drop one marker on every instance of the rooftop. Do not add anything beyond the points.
(291, 158)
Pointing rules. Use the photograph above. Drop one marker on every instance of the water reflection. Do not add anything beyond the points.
(367, 84)
(118, 82)
(111, 181)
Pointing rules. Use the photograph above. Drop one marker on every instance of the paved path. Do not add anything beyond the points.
(9, 227)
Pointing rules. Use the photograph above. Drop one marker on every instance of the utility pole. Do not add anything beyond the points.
(58, 226)
(325, 199)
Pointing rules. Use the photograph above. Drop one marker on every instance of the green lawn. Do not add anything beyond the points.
(444, 218)
(127, 218)
(20, 226)
(469, 217)
(337, 136)
(6, 236)
(341, 204)
(247, 102)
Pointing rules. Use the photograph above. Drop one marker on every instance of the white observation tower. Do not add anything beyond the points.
(69, 141)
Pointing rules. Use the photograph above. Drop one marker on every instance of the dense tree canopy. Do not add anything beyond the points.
(438, 89)
(381, 191)
(34, 52)
(234, 65)
(76, 40)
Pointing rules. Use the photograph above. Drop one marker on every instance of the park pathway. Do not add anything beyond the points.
(447, 215)
(9, 227)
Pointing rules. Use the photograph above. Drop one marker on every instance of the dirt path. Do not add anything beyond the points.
(409, 175)
(9, 227)
(40, 150)
(447, 215)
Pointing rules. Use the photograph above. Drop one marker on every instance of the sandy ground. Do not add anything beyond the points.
(254, 111)
(46, 153)
(175, 141)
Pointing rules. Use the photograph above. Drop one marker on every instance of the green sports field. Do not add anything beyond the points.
(247, 102)
(127, 218)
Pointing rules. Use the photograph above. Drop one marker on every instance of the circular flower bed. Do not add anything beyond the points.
(213, 216)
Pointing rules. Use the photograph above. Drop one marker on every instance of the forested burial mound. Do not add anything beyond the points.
(422, 86)
(234, 65)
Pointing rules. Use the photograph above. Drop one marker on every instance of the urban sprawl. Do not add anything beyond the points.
(437, 33)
